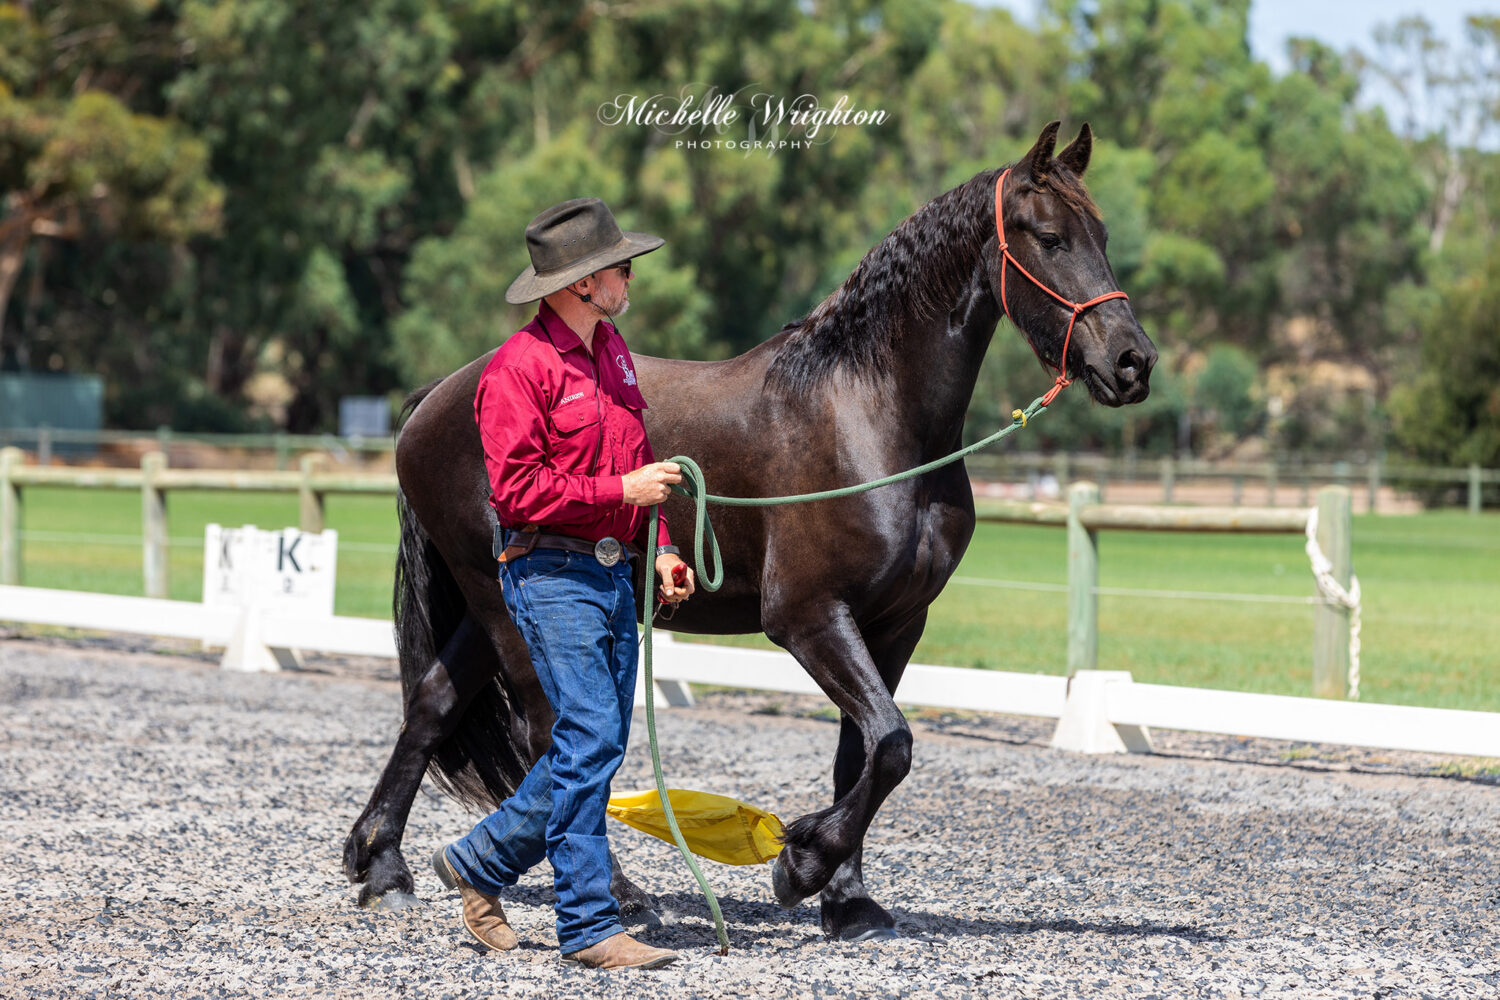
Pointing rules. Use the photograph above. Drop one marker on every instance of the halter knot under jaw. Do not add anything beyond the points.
(1007, 258)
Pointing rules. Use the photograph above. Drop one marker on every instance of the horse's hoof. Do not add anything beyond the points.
(857, 919)
(781, 883)
(391, 901)
(642, 918)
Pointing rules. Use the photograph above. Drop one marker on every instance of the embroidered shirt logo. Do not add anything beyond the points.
(569, 399)
(629, 375)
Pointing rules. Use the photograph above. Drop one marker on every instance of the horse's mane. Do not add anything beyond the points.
(913, 275)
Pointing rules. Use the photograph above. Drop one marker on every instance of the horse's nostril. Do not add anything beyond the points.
(1130, 362)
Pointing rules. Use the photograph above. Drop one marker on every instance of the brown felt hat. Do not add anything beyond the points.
(570, 241)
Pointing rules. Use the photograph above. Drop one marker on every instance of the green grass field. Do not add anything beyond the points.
(1431, 592)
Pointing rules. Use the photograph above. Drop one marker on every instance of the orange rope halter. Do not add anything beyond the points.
(1077, 307)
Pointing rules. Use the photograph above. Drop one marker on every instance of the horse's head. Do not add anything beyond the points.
(1055, 242)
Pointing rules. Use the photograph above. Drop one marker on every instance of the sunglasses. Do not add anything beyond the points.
(623, 268)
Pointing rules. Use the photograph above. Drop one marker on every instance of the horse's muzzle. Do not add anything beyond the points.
(1128, 379)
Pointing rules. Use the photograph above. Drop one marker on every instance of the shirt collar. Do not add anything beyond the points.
(561, 334)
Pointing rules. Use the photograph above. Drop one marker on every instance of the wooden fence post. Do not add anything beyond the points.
(1476, 489)
(310, 503)
(10, 517)
(1083, 582)
(1168, 479)
(1271, 484)
(1331, 621)
(1372, 474)
(1061, 470)
(154, 524)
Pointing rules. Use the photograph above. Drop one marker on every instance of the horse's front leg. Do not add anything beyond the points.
(829, 646)
(372, 851)
(848, 911)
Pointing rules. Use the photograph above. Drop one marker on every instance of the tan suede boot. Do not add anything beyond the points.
(483, 916)
(621, 951)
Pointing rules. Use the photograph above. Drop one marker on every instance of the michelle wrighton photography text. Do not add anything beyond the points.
(770, 121)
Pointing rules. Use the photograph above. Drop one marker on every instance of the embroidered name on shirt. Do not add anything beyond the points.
(569, 399)
(629, 375)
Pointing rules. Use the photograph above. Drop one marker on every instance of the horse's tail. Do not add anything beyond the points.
(478, 763)
(426, 604)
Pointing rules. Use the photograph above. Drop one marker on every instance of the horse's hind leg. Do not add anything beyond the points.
(831, 649)
(372, 852)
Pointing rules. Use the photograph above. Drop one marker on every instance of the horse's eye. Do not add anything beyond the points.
(1050, 240)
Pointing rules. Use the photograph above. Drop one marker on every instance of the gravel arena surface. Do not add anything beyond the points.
(172, 831)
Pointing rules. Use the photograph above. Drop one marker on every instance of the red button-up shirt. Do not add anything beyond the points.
(560, 428)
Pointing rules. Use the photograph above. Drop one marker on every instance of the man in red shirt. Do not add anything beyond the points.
(571, 478)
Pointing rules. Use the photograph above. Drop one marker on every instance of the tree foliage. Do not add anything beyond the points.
(77, 163)
(1450, 412)
(241, 210)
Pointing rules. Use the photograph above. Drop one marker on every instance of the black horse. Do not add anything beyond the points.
(873, 381)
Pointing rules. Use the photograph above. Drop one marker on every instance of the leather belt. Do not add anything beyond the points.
(607, 551)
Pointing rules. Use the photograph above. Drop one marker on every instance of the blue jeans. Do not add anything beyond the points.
(578, 620)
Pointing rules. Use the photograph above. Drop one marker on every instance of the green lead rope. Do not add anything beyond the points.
(695, 487)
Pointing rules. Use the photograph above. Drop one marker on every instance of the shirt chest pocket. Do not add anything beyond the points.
(573, 416)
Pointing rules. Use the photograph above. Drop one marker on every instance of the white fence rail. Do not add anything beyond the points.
(1100, 711)
(214, 626)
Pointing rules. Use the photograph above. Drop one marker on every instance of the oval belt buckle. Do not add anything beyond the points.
(608, 551)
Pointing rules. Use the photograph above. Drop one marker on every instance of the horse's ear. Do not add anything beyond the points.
(1076, 156)
(1039, 160)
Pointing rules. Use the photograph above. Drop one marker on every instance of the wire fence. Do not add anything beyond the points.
(1377, 484)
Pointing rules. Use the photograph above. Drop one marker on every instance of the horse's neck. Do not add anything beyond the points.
(938, 364)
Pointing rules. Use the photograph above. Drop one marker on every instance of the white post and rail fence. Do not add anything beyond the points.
(1097, 710)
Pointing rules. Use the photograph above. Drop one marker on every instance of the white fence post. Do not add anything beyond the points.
(1084, 726)
(10, 516)
(153, 525)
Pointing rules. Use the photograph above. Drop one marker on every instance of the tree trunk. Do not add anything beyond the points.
(1453, 192)
(12, 256)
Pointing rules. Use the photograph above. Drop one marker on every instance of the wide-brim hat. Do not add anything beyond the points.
(570, 241)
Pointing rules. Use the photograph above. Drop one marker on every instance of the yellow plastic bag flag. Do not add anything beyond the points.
(715, 826)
